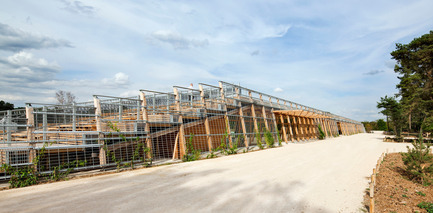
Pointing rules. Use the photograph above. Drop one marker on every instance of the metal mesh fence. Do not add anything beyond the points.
(153, 127)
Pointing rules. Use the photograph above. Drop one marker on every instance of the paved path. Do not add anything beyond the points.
(321, 176)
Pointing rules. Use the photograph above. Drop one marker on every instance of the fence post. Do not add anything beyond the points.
(101, 142)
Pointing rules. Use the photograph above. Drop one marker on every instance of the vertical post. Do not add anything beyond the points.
(146, 124)
(226, 119)
(290, 128)
(120, 110)
(74, 117)
(206, 120)
(301, 128)
(284, 128)
(9, 127)
(241, 114)
(182, 126)
(253, 113)
(30, 135)
(101, 142)
(295, 125)
(44, 122)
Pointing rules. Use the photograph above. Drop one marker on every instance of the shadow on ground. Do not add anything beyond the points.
(164, 190)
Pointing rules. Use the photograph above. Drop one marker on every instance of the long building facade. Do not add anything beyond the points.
(157, 126)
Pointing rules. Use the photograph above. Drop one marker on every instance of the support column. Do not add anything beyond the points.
(206, 120)
(147, 126)
(241, 114)
(226, 119)
(284, 128)
(181, 133)
(101, 141)
(290, 128)
(30, 135)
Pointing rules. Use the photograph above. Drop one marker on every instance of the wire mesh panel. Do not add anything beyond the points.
(156, 126)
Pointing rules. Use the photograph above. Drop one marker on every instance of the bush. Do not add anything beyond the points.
(259, 140)
(418, 161)
(269, 139)
(321, 133)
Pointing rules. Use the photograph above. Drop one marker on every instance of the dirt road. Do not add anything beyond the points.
(320, 176)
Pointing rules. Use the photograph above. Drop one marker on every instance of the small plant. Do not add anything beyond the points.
(427, 206)
(269, 139)
(259, 140)
(212, 154)
(321, 133)
(418, 161)
(57, 173)
(25, 175)
(191, 153)
(404, 195)
(421, 193)
(234, 149)
(280, 140)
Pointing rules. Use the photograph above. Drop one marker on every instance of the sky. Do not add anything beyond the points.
(330, 55)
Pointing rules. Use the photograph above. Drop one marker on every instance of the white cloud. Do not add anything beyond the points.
(119, 80)
(177, 40)
(278, 89)
(12, 39)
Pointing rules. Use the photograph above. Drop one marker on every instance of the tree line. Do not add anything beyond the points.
(411, 109)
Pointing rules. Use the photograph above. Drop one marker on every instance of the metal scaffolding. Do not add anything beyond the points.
(156, 126)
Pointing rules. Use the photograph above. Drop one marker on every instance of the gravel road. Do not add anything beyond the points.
(319, 176)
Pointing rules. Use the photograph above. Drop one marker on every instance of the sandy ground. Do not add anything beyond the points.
(320, 176)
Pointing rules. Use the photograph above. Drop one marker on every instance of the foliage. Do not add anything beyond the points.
(6, 105)
(259, 139)
(421, 193)
(191, 154)
(57, 173)
(269, 138)
(279, 138)
(428, 206)
(381, 125)
(418, 161)
(21, 176)
(136, 154)
(321, 133)
(415, 67)
(392, 109)
(234, 148)
(25, 175)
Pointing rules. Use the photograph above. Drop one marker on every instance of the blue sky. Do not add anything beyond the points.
(331, 55)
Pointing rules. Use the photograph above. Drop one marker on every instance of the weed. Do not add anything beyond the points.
(421, 193)
(212, 154)
(404, 195)
(234, 149)
(427, 206)
(191, 153)
(26, 175)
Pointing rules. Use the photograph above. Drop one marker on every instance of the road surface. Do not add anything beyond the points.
(319, 176)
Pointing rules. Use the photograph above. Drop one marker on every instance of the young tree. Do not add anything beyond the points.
(393, 109)
(64, 98)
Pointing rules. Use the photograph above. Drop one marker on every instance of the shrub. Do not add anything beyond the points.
(191, 153)
(269, 139)
(321, 133)
(418, 161)
(259, 140)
